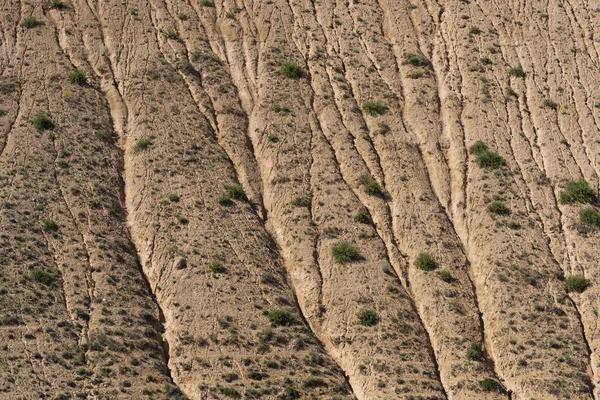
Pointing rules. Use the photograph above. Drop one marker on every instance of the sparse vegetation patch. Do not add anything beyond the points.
(370, 185)
(291, 69)
(345, 252)
(368, 317)
(578, 191)
(78, 77)
(374, 108)
(42, 122)
(281, 318)
(426, 262)
(576, 283)
(589, 216)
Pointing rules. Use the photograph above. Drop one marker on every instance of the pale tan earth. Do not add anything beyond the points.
(149, 285)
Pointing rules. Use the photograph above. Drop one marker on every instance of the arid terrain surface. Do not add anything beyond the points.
(299, 199)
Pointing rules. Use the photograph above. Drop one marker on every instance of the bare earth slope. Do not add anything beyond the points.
(275, 199)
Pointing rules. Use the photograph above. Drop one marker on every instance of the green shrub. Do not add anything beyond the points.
(42, 122)
(173, 392)
(229, 392)
(426, 262)
(363, 217)
(498, 207)
(102, 135)
(445, 275)
(45, 276)
(291, 70)
(78, 77)
(370, 185)
(474, 30)
(576, 283)
(490, 385)
(578, 191)
(490, 159)
(141, 144)
(174, 198)
(217, 267)
(416, 60)
(373, 107)
(281, 318)
(510, 92)
(225, 200)
(517, 72)
(236, 192)
(478, 148)
(30, 22)
(474, 352)
(291, 393)
(368, 317)
(550, 104)
(301, 201)
(49, 226)
(255, 375)
(170, 33)
(206, 3)
(344, 252)
(590, 216)
(57, 4)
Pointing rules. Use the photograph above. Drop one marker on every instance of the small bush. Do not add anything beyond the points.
(78, 77)
(474, 30)
(217, 267)
(291, 393)
(370, 185)
(344, 252)
(225, 200)
(281, 318)
(206, 3)
(373, 107)
(255, 375)
(141, 145)
(517, 72)
(30, 22)
(478, 148)
(49, 226)
(45, 276)
(445, 275)
(550, 104)
(498, 207)
(490, 385)
(578, 191)
(490, 159)
(426, 262)
(236, 192)
(367, 317)
(416, 60)
(42, 122)
(171, 34)
(174, 198)
(363, 217)
(474, 352)
(590, 216)
(510, 92)
(57, 4)
(301, 201)
(291, 70)
(102, 135)
(576, 283)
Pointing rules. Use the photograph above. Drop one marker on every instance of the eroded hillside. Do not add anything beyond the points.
(316, 199)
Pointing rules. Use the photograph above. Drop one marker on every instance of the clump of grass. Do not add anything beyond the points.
(102, 135)
(517, 72)
(370, 185)
(368, 317)
(57, 4)
(498, 207)
(42, 122)
(478, 148)
(363, 217)
(590, 217)
(49, 226)
(45, 276)
(474, 30)
(225, 200)
(576, 283)
(281, 318)
(445, 275)
(578, 191)
(291, 69)
(206, 3)
(217, 267)
(170, 33)
(374, 108)
(416, 60)
(474, 352)
(344, 252)
(548, 103)
(301, 201)
(426, 262)
(510, 92)
(174, 198)
(30, 22)
(78, 77)
(141, 145)
(485, 157)
(490, 385)
(236, 192)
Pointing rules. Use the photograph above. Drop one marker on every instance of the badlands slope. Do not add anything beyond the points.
(316, 199)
